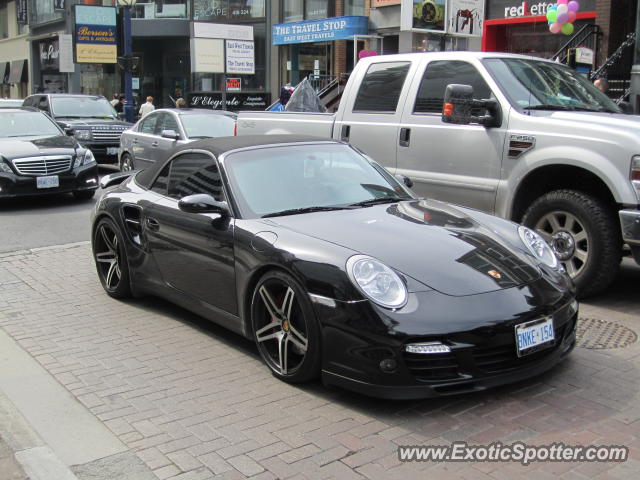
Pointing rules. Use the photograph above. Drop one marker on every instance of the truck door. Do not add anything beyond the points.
(371, 117)
(454, 163)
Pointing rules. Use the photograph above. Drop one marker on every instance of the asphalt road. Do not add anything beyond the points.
(48, 220)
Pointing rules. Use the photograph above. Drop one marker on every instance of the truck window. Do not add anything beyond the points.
(381, 86)
(441, 73)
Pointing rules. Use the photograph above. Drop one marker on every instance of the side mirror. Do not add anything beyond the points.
(459, 104)
(114, 179)
(406, 181)
(203, 203)
(172, 134)
(69, 131)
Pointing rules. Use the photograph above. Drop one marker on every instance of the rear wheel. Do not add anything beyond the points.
(111, 259)
(285, 328)
(582, 233)
(126, 163)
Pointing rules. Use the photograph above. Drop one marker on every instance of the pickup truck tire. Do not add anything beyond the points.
(584, 235)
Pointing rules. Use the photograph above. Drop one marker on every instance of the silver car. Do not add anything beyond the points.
(161, 130)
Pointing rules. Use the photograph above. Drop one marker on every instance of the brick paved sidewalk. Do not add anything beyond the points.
(194, 401)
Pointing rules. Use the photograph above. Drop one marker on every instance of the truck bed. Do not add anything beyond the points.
(302, 123)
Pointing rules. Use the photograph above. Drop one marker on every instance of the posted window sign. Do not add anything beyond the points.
(240, 57)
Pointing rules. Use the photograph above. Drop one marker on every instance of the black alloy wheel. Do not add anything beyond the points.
(285, 328)
(111, 259)
(126, 163)
(582, 233)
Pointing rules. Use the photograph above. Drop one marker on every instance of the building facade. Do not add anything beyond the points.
(14, 50)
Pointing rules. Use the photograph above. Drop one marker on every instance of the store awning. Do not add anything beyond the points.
(4, 73)
(18, 72)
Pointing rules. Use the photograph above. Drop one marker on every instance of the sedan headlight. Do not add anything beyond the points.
(538, 247)
(82, 134)
(377, 281)
(85, 159)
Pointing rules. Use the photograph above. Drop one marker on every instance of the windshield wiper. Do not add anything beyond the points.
(549, 107)
(294, 211)
(374, 201)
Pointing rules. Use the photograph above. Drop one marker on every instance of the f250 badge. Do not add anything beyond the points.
(518, 144)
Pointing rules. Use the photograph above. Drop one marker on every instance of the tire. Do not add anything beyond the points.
(283, 321)
(84, 194)
(110, 256)
(126, 163)
(584, 235)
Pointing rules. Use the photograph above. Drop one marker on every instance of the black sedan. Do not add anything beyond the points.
(37, 157)
(333, 267)
(162, 130)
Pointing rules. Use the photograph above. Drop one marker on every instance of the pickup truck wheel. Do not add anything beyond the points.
(582, 233)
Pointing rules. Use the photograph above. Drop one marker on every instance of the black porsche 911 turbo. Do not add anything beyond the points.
(333, 267)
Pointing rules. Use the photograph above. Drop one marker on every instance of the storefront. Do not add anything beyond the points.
(517, 26)
(51, 80)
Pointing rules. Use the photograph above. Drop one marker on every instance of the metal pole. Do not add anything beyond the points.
(129, 107)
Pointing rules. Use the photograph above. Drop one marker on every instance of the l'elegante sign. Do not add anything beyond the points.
(235, 102)
(95, 35)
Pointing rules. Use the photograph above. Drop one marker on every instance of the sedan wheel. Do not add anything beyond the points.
(285, 329)
(111, 259)
(126, 163)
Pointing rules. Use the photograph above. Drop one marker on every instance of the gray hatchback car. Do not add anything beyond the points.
(161, 130)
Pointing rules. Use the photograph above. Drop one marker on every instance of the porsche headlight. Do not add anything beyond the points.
(538, 247)
(377, 281)
(82, 134)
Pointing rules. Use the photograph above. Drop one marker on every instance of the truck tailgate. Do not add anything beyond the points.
(299, 123)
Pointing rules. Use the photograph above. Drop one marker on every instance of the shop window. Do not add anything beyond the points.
(438, 75)
(4, 21)
(41, 11)
(381, 86)
(354, 7)
(296, 10)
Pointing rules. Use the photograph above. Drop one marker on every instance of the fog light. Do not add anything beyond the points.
(388, 365)
(427, 348)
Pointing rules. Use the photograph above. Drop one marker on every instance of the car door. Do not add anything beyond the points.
(161, 145)
(193, 251)
(371, 118)
(454, 163)
(139, 141)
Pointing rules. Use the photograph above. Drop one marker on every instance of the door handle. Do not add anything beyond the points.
(154, 144)
(345, 132)
(405, 137)
(152, 224)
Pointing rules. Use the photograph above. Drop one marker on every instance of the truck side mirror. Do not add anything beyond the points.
(458, 105)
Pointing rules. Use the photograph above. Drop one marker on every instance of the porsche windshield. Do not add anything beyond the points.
(82, 107)
(539, 85)
(286, 180)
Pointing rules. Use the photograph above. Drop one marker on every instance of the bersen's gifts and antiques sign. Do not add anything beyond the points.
(95, 35)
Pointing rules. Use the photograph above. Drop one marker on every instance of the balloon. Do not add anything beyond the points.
(567, 28)
(562, 18)
(571, 17)
(555, 27)
(574, 5)
(552, 7)
(562, 2)
(563, 8)
(551, 15)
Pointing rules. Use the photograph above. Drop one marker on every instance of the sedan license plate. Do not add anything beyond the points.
(112, 150)
(534, 336)
(52, 181)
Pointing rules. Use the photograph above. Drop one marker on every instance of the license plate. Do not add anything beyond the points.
(112, 150)
(535, 335)
(52, 181)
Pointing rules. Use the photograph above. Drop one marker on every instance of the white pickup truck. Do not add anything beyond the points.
(521, 137)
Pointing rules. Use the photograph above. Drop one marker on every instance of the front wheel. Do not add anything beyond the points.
(583, 235)
(285, 328)
(110, 255)
(126, 163)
